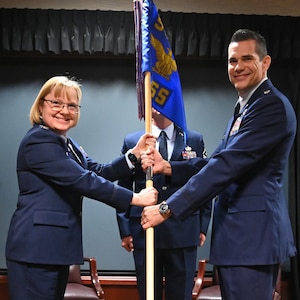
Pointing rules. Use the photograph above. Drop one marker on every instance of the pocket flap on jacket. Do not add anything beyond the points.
(51, 218)
(247, 204)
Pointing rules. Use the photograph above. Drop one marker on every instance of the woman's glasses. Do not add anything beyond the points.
(58, 105)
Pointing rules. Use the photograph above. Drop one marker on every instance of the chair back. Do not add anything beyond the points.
(213, 291)
(77, 290)
(74, 274)
(215, 276)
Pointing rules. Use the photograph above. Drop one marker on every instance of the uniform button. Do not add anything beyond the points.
(164, 188)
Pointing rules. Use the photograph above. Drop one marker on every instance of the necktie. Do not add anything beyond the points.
(163, 150)
(237, 109)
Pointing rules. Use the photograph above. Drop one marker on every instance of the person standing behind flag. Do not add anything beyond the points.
(175, 242)
(175, 252)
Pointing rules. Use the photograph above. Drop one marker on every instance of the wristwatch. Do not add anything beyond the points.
(132, 158)
(164, 208)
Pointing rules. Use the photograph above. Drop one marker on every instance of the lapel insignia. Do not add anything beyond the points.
(83, 152)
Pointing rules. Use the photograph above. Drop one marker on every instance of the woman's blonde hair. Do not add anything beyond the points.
(56, 84)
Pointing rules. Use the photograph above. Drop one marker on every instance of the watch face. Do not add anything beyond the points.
(164, 208)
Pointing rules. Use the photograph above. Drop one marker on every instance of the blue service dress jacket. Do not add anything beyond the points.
(46, 227)
(173, 233)
(251, 225)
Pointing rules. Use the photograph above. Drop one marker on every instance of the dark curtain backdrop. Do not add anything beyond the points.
(88, 32)
(191, 35)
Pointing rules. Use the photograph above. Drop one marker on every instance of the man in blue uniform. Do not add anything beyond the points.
(251, 233)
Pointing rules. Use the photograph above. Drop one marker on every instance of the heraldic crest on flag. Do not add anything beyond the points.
(154, 55)
(165, 64)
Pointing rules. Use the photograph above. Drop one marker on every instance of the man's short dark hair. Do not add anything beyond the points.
(247, 34)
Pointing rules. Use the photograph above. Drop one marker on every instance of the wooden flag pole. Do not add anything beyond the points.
(149, 183)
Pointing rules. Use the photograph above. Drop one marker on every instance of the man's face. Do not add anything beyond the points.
(245, 69)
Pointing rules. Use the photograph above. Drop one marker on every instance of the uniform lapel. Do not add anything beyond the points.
(76, 153)
(263, 89)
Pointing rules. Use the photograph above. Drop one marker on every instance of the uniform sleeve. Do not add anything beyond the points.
(44, 154)
(126, 182)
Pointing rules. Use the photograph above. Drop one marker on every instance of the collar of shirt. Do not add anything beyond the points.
(243, 100)
(168, 130)
(64, 138)
(171, 134)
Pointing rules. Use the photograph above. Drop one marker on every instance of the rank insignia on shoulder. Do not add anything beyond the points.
(44, 127)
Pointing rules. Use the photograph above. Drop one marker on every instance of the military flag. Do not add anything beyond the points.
(154, 55)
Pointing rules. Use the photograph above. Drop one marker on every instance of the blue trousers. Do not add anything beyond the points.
(247, 282)
(28, 281)
(177, 265)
